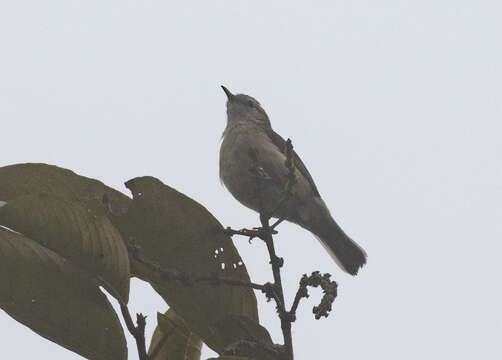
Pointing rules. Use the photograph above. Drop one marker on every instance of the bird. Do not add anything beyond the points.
(251, 152)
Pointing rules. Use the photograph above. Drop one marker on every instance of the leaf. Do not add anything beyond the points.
(178, 233)
(82, 235)
(31, 179)
(173, 340)
(45, 292)
(243, 328)
(203, 308)
(21, 180)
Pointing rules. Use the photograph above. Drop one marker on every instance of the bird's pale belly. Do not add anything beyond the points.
(260, 185)
(242, 184)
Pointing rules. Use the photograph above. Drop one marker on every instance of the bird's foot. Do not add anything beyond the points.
(274, 225)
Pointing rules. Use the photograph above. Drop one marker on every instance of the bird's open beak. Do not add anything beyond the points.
(229, 94)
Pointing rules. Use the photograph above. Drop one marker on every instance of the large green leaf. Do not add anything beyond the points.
(171, 229)
(66, 213)
(178, 233)
(32, 178)
(173, 340)
(57, 300)
(82, 235)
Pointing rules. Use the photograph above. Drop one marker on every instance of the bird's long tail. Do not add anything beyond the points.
(346, 253)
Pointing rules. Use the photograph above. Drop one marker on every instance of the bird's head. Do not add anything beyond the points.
(242, 108)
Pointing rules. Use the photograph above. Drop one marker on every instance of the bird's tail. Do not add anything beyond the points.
(346, 253)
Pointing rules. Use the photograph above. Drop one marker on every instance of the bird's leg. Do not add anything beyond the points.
(274, 225)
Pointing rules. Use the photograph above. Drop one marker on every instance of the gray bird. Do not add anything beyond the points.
(249, 132)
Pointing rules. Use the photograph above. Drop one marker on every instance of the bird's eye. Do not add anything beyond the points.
(250, 103)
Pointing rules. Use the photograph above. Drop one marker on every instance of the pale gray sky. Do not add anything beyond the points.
(395, 106)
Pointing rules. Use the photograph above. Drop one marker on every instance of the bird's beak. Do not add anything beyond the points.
(229, 94)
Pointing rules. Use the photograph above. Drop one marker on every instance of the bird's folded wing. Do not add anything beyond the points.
(280, 143)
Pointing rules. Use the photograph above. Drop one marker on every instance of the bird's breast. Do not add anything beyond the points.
(235, 166)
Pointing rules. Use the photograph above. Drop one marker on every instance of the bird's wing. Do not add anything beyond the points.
(280, 143)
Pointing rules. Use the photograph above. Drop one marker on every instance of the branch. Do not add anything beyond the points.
(266, 231)
(251, 234)
(190, 279)
(276, 264)
(137, 331)
(329, 288)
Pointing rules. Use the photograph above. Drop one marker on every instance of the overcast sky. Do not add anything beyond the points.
(395, 107)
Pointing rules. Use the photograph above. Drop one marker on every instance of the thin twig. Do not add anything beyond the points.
(266, 231)
(329, 288)
(251, 234)
(138, 332)
(266, 235)
(191, 279)
(301, 293)
(276, 264)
